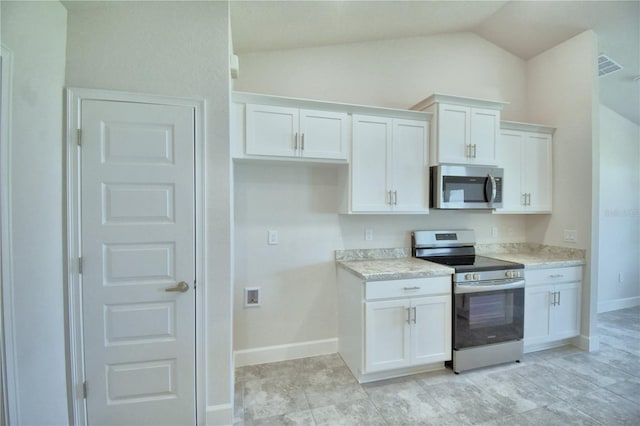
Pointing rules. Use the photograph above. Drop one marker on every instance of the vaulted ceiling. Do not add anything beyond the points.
(524, 28)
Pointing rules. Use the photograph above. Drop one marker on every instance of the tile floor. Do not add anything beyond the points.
(563, 386)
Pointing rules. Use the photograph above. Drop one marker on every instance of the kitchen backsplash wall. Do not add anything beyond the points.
(297, 276)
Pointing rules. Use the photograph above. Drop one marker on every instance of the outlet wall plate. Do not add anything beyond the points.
(252, 297)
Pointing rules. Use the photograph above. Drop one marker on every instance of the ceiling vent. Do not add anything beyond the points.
(606, 65)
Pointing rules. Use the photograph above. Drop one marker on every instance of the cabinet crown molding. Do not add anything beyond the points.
(527, 127)
(457, 100)
(261, 99)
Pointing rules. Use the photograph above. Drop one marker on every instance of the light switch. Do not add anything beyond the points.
(272, 237)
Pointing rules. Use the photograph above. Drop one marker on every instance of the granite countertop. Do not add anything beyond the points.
(394, 269)
(397, 263)
(534, 256)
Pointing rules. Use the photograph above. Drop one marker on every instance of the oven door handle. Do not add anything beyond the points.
(483, 286)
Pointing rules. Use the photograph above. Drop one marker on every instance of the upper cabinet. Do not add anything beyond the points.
(463, 130)
(389, 171)
(292, 132)
(525, 154)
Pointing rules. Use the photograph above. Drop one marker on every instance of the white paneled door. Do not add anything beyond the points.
(138, 262)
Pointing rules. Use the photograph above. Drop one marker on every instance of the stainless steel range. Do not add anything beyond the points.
(488, 314)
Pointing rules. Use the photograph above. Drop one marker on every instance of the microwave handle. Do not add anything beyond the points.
(490, 191)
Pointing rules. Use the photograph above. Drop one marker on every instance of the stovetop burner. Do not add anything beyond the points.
(457, 249)
(473, 263)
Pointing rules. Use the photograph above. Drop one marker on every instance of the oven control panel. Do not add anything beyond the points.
(512, 274)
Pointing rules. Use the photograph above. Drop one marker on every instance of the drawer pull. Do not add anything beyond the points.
(556, 276)
(411, 288)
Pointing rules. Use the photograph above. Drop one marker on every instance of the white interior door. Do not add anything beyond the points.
(138, 240)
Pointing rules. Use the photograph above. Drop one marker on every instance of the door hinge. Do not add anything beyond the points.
(79, 137)
(80, 265)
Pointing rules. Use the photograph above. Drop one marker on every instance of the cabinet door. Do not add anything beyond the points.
(536, 162)
(387, 334)
(410, 171)
(565, 315)
(510, 151)
(537, 306)
(271, 130)
(454, 124)
(370, 164)
(485, 132)
(324, 134)
(431, 331)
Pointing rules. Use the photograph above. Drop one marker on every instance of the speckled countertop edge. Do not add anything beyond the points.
(396, 263)
(394, 268)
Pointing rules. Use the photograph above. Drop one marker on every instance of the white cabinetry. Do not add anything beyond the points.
(292, 132)
(393, 328)
(525, 154)
(552, 306)
(388, 165)
(464, 130)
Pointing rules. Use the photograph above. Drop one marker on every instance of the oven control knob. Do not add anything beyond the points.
(468, 277)
(476, 277)
(508, 274)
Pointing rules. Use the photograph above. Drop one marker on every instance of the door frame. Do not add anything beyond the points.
(72, 249)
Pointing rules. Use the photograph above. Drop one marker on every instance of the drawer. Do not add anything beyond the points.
(553, 275)
(407, 288)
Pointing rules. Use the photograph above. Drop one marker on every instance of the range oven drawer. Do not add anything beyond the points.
(408, 288)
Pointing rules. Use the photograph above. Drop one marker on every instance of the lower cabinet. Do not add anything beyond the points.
(552, 306)
(405, 332)
(404, 326)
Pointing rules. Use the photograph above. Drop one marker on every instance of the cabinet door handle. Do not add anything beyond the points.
(415, 314)
(558, 293)
(528, 198)
(389, 197)
(552, 295)
(474, 150)
(395, 198)
(556, 276)
(302, 143)
(295, 141)
(408, 315)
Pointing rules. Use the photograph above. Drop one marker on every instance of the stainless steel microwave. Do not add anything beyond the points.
(466, 187)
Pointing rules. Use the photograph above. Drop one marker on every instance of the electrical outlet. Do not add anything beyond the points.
(368, 234)
(251, 297)
(570, 235)
(272, 237)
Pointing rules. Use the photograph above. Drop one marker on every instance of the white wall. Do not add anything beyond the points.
(36, 33)
(178, 49)
(391, 73)
(562, 91)
(619, 212)
(298, 275)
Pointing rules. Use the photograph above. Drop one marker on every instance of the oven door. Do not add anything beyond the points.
(486, 314)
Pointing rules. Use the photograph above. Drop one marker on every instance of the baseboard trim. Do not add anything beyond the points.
(587, 343)
(221, 414)
(614, 305)
(277, 353)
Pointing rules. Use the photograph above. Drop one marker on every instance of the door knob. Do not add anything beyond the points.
(181, 287)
